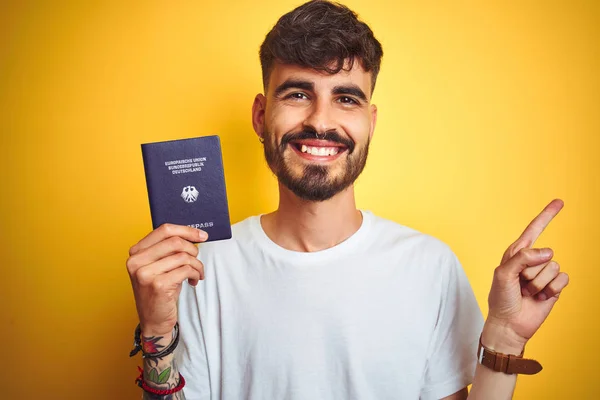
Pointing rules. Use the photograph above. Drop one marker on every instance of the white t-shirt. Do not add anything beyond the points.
(386, 314)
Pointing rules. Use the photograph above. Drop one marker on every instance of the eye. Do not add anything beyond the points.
(347, 100)
(296, 96)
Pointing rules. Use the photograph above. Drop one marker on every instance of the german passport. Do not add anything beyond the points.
(186, 184)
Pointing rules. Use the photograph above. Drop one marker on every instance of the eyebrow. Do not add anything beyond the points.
(352, 90)
(295, 84)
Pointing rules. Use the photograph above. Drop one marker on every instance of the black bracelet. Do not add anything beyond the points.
(137, 344)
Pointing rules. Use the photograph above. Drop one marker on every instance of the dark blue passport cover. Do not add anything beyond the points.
(186, 185)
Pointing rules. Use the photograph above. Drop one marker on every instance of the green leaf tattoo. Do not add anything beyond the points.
(153, 375)
(164, 376)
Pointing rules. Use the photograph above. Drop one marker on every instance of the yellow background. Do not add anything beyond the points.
(487, 111)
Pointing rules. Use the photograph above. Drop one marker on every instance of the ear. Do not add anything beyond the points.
(258, 114)
(373, 120)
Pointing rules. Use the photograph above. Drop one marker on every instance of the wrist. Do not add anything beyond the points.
(165, 332)
(155, 346)
(502, 339)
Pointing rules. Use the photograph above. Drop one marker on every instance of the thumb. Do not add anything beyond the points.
(526, 258)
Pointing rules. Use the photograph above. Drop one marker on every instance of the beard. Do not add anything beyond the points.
(316, 182)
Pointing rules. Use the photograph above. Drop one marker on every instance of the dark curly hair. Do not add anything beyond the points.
(321, 35)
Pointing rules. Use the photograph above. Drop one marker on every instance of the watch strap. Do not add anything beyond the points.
(507, 363)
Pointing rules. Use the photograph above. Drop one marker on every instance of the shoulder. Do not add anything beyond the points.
(392, 235)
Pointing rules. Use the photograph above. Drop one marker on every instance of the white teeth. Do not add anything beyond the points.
(319, 151)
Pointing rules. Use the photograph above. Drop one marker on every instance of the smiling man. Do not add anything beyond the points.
(318, 299)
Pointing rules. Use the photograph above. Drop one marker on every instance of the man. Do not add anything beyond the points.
(319, 300)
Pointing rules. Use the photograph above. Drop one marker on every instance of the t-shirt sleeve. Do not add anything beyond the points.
(452, 354)
(190, 353)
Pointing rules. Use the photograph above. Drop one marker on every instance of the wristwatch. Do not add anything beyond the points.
(507, 363)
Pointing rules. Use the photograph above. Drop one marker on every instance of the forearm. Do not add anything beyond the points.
(489, 384)
(492, 385)
(161, 373)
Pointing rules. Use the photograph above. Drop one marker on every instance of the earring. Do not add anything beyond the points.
(261, 139)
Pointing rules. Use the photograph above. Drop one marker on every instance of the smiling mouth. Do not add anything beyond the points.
(315, 150)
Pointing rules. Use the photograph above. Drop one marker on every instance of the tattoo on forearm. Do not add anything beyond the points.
(162, 374)
(150, 344)
(174, 396)
(159, 378)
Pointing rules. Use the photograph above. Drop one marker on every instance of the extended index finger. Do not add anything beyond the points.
(166, 231)
(537, 226)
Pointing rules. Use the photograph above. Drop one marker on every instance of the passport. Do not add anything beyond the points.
(186, 184)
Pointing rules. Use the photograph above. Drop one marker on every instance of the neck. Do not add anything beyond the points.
(308, 226)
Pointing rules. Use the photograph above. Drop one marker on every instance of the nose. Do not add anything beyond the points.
(320, 117)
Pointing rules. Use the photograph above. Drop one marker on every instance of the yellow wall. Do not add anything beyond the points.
(486, 113)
